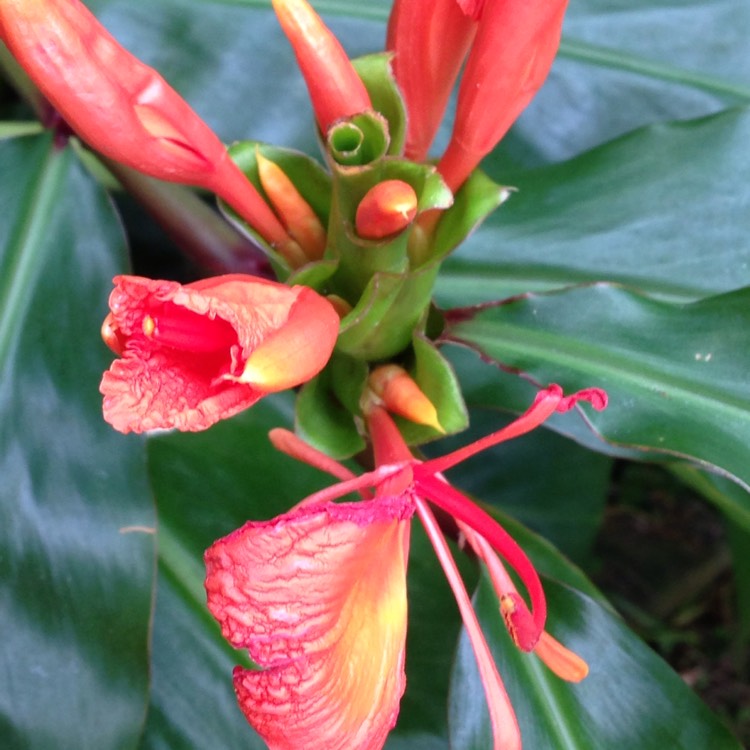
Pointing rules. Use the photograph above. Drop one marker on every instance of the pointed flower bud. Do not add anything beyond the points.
(509, 60)
(387, 208)
(401, 395)
(192, 355)
(336, 91)
(123, 108)
(294, 211)
(429, 39)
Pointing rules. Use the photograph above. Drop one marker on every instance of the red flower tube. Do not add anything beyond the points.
(509, 60)
(429, 39)
(336, 91)
(192, 355)
(123, 108)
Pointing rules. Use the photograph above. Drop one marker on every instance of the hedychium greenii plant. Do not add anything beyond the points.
(344, 310)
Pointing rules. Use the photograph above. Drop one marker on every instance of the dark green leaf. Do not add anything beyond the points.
(666, 209)
(630, 699)
(676, 374)
(76, 518)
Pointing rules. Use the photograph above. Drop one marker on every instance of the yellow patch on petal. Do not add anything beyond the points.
(318, 597)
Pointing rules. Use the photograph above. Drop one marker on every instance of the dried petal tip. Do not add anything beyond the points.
(401, 395)
(562, 661)
(386, 209)
(336, 91)
(294, 211)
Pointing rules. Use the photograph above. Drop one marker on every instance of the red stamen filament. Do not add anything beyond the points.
(505, 731)
(543, 407)
(527, 626)
(287, 442)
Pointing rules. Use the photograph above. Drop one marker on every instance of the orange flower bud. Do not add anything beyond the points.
(295, 212)
(401, 395)
(123, 108)
(387, 208)
(335, 88)
(192, 355)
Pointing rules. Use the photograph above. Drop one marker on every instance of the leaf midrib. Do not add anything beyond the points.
(572, 354)
(23, 256)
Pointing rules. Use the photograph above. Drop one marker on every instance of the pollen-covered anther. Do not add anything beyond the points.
(401, 395)
(561, 660)
(148, 326)
(386, 209)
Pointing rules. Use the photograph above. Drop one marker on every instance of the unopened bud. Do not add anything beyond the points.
(387, 208)
(401, 395)
(294, 211)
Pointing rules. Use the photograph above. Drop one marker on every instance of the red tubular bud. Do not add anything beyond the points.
(123, 108)
(510, 58)
(335, 88)
(387, 208)
(429, 39)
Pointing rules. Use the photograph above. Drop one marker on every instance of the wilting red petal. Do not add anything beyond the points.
(429, 39)
(292, 354)
(318, 597)
(122, 107)
(509, 60)
(184, 348)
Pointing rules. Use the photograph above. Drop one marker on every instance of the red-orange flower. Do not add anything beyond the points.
(123, 108)
(318, 597)
(317, 594)
(192, 355)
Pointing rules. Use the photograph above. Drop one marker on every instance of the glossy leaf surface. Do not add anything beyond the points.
(675, 374)
(76, 519)
(630, 699)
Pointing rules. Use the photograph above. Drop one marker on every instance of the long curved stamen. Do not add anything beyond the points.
(505, 731)
(561, 660)
(527, 626)
(370, 479)
(544, 406)
(546, 403)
